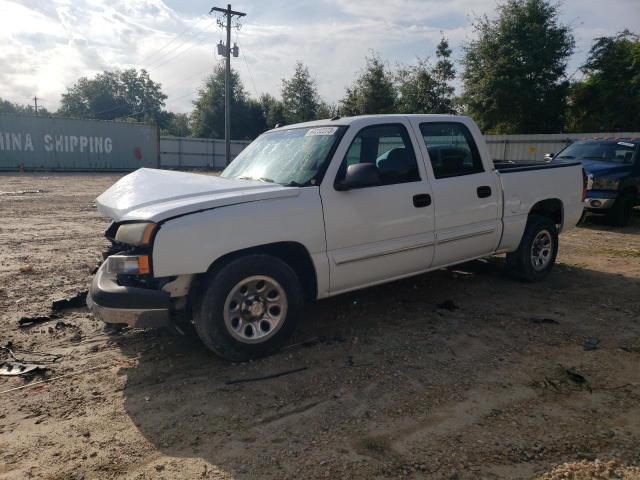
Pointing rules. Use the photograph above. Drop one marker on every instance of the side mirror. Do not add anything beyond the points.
(359, 175)
(549, 156)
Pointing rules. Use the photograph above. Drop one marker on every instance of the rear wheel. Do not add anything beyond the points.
(620, 213)
(536, 254)
(248, 307)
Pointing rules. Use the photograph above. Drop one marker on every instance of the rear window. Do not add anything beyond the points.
(451, 149)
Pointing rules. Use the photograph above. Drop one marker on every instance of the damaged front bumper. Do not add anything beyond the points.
(138, 307)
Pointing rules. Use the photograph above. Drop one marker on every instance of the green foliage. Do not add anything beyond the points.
(443, 73)
(273, 110)
(372, 92)
(423, 89)
(417, 89)
(176, 125)
(9, 107)
(608, 99)
(119, 94)
(300, 97)
(207, 118)
(514, 70)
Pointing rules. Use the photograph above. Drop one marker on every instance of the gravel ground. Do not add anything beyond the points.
(497, 386)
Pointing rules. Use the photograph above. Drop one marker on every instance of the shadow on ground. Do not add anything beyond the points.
(395, 385)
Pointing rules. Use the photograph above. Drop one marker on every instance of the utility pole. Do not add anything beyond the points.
(229, 14)
(35, 101)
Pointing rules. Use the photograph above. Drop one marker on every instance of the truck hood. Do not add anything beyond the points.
(155, 195)
(602, 169)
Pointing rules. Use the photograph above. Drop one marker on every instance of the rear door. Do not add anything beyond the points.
(384, 231)
(466, 193)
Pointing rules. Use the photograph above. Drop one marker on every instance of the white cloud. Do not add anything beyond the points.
(45, 45)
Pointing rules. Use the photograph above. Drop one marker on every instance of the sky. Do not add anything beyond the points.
(46, 45)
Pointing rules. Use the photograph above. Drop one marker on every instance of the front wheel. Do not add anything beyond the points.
(536, 254)
(620, 213)
(248, 307)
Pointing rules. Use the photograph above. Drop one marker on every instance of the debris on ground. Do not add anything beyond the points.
(26, 322)
(448, 305)
(18, 368)
(266, 377)
(77, 301)
(591, 344)
(575, 377)
(27, 269)
(544, 320)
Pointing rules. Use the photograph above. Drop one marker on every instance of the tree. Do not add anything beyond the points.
(176, 125)
(115, 94)
(273, 110)
(417, 89)
(426, 89)
(608, 99)
(372, 92)
(207, 118)
(9, 107)
(514, 71)
(300, 97)
(443, 74)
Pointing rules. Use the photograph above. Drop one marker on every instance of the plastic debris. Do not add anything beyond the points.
(591, 344)
(18, 368)
(77, 301)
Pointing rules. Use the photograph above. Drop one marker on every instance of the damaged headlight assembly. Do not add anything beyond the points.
(135, 235)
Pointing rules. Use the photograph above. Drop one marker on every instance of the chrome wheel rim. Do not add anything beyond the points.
(541, 250)
(255, 309)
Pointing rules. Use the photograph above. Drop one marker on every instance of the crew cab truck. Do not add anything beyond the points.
(317, 209)
(613, 172)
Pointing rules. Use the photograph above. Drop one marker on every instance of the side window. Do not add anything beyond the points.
(452, 149)
(389, 148)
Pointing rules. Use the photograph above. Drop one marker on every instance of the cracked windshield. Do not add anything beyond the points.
(290, 157)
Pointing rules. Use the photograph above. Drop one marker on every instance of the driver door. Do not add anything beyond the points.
(383, 231)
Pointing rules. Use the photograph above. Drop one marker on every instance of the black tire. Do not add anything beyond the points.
(521, 262)
(620, 213)
(209, 310)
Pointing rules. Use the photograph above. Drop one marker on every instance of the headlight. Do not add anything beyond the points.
(605, 183)
(135, 234)
(128, 264)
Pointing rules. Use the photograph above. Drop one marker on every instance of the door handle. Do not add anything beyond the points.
(484, 191)
(422, 200)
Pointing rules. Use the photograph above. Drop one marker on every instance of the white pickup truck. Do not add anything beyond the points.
(313, 210)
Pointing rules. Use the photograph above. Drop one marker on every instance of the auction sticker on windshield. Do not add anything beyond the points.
(312, 132)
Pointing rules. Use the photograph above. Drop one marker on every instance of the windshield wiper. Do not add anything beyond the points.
(566, 156)
(293, 183)
(261, 179)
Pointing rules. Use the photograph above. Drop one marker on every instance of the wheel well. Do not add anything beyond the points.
(292, 253)
(550, 208)
(630, 189)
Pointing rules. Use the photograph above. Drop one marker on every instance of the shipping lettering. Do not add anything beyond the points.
(23, 142)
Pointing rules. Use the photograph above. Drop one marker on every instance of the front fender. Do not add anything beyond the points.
(191, 243)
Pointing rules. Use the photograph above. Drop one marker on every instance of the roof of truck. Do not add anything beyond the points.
(345, 121)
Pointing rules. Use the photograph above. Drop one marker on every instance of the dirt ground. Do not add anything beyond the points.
(498, 385)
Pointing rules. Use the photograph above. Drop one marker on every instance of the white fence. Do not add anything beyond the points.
(188, 152)
(523, 148)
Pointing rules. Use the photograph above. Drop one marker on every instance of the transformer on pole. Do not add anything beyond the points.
(226, 50)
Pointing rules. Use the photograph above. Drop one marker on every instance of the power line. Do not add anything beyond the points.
(189, 77)
(171, 41)
(172, 57)
(248, 69)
